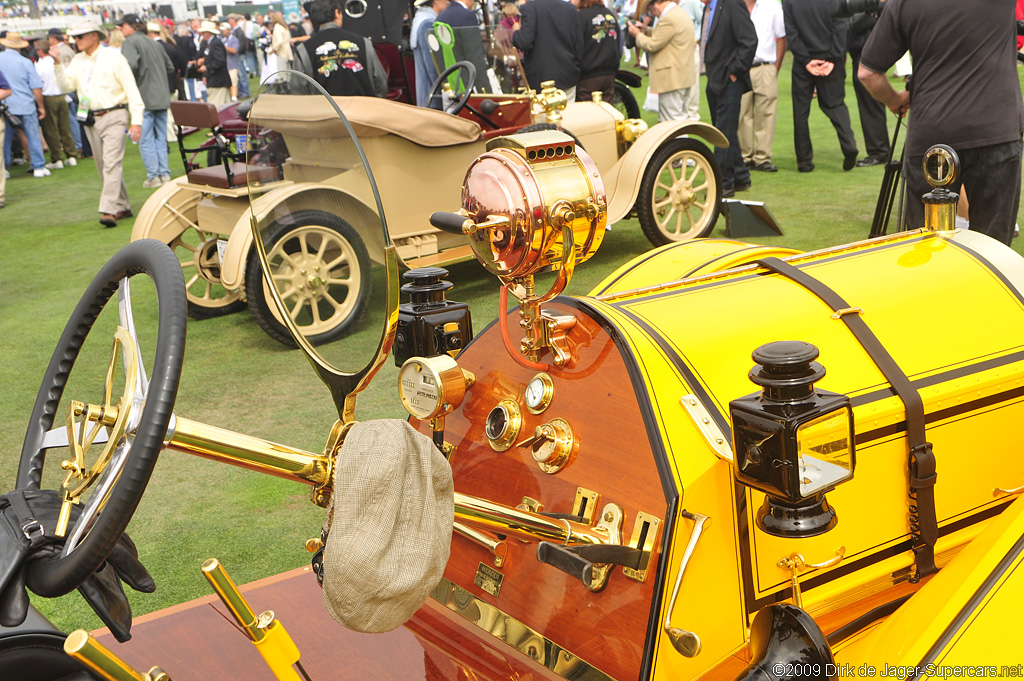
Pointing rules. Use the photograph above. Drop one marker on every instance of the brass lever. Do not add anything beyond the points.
(687, 643)
(795, 562)
(83, 647)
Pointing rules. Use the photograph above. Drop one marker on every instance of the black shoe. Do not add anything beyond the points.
(868, 161)
(749, 163)
(741, 187)
(850, 160)
(805, 168)
(728, 193)
(767, 167)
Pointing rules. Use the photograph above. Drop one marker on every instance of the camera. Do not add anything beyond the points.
(847, 8)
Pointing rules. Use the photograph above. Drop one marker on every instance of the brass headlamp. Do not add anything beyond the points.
(532, 203)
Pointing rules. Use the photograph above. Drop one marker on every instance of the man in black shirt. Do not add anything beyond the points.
(965, 93)
(818, 43)
(342, 62)
(549, 35)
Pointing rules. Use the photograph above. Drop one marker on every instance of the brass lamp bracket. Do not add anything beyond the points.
(707, 427)
(796, 563)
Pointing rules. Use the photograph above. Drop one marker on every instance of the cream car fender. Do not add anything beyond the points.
(623, 179)
(168, 212)
(362, 216)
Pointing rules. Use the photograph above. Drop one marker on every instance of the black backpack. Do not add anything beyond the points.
(243, 42)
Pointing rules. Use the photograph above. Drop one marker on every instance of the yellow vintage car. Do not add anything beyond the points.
(667, 175)
(727, 461)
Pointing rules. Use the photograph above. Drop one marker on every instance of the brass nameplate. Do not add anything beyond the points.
(488, 579)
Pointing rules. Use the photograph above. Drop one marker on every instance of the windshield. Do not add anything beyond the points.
(319, 227)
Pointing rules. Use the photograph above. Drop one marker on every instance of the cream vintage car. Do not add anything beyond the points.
(821, 484)
(666, 175)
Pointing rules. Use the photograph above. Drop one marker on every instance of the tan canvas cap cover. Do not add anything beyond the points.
(391, 529)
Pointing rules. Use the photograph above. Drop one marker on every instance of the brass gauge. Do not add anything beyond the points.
(554, 445)
(430, 387)
(539, 393)
(503, 424)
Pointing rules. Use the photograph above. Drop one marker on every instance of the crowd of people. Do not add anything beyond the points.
(81, 91)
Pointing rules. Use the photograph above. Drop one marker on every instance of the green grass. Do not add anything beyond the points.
(236, 377)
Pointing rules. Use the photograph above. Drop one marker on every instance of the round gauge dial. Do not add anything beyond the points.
(503, 424)
(432, 386)
(539, 393)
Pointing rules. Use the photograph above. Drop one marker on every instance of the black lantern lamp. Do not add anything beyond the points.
(429, 325)
(792, 441)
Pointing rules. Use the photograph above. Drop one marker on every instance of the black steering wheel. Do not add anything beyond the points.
(467, 75)
(134, 425)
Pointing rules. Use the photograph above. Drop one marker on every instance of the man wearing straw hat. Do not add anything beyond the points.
(108, 104)
(26, 101)
(215, 65)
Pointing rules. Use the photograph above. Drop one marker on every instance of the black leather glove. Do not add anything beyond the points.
(27, 522)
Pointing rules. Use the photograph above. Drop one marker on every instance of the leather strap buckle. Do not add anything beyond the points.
(33, 531)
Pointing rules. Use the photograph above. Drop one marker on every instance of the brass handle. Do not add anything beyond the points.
(498, 548)
(999, 490)
(540, 434)
(687, 643)
(83, 647)
(795, 562)
(236, 604)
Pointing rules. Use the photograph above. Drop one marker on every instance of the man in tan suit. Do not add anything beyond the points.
(670, 45)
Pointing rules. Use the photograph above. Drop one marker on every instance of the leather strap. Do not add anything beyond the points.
(924, 526)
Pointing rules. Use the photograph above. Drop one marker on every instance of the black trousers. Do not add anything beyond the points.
(992, 177)
(873, 122)
(831, 91)
(725, 115)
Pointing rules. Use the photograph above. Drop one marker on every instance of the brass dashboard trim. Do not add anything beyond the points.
(516, 634)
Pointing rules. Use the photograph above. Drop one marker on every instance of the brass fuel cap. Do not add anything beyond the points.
(553, 445)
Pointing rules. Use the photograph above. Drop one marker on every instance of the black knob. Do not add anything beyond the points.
(426, 285)
(786, 370)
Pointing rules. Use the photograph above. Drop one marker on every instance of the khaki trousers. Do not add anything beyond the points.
(218, 95)
(757, 114)
(57, 128)
(108, 140)
(3, 173)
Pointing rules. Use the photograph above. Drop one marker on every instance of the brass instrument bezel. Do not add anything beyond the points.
(449, 379)
(547, 395)
(650, 544)
(513, 424)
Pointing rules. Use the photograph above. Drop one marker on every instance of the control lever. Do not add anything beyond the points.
(585, 561)
(456, 223)
(489, 106)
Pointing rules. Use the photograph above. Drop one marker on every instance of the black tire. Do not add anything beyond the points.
(56, 576)
(207, 298)
(625, 101)
(537, 127)
(701, 207)
(346, 251)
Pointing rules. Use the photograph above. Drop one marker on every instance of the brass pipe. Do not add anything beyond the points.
(263, 456)
(497, 548)
(225, 588)
(98, 658)
(526, 525)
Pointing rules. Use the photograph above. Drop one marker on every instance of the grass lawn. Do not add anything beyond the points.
(236, 377)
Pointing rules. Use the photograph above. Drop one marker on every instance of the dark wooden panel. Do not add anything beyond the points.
(595, 396)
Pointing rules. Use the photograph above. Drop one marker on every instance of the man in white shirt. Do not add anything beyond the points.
(757, 108)
(56, 125)
(109, 103)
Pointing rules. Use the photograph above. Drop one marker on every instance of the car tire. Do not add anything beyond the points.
(625, 101)
(344, 256)
(667, 193)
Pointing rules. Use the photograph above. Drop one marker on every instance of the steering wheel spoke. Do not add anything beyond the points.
(108, 448)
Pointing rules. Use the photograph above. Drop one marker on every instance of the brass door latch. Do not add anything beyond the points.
(795, 562)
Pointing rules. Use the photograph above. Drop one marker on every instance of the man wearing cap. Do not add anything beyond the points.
(422, 23)
(234, 62)
(25, 102)
(670, 48)
(56, 37)
(56, 128)
(342, 62)
(215, 65)
(151, 67)
(108, 103)
(238, 31)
